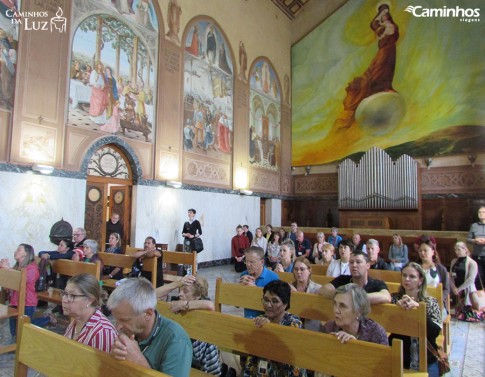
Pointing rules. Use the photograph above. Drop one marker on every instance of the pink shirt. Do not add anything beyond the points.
(98, 332)
(30, 297)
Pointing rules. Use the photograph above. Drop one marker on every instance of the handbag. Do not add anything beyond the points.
(197, 244)
(442, 357)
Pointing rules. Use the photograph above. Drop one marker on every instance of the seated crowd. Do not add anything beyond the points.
(142, 335)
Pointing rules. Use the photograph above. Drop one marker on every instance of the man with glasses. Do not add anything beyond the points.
(144, 336)
(78, 237)
(256, 274)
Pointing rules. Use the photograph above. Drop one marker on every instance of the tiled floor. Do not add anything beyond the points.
(468, 339)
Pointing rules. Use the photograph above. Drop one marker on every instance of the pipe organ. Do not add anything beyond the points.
(377, 182)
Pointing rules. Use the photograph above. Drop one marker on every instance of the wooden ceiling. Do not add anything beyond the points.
(290, 7)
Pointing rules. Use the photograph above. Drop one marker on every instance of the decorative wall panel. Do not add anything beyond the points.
(264, 181)
(211, 173)
(322, 184)
(452, 180)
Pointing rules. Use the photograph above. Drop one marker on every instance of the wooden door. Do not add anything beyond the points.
(120, 202)
(94, 216)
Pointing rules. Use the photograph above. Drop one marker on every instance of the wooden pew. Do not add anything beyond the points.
(56, 356)
(319, 269)
(386, 275)
(172, 257)
(290, 345)
(17, 281)
(444, 340)
(68, 268)
(176, 257)
(126, 262)
(311, 306)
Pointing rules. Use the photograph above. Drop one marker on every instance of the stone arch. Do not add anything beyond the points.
(124, 146)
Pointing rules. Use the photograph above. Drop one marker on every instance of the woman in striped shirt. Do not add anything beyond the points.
(81, 300)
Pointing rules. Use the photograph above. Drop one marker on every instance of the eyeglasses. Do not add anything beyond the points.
(252, 262)
(70, 297)
(297, 269)
(76, 235)
(266, 301)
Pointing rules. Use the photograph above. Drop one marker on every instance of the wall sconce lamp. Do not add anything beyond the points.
(174, 184)
(472, 157)
(42, 169)
(307, 170)
(241, 180)
(428, 161)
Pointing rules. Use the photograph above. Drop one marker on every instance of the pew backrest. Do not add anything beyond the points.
(312, 306)
(17, 281)
(68, 268)
(53, 355)
(290, 345)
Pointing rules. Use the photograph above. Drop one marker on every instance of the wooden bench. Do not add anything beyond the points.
(173, 257)
(68, 268)
(311, 306)
(384, 275)
(444, 340)
(53, 355)
(176, 257)
(290, 345)
(126, 262)
(17, 281)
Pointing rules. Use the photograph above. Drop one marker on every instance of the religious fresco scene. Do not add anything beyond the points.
(8, 53)
(208, 92)
(113, 71)
(265, 116)
(406, 84)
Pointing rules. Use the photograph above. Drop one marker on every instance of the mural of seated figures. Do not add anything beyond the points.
(264, 117)
(208, 92)
(113, 69)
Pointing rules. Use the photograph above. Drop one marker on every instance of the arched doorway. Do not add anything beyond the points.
(108, 191)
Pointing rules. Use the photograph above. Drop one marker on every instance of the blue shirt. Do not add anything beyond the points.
(263, 279)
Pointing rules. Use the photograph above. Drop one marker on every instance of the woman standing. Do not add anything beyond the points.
(260, 240)
(435, 272)
(287, 257)
(276, 302)
(411, 292)
(398, 253)
(81, 300)
(303, 283)
(24, 259)
(464, 271)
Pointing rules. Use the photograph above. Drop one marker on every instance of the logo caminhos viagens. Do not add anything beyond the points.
(38, 21)
(464, 14)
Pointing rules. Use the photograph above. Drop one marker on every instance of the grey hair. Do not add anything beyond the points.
(92, 244)
(360, 300)
(89, 286)
(138, 292)
(372, 241)
(82, 230)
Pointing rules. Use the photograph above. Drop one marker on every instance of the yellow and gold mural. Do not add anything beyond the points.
(408, 78)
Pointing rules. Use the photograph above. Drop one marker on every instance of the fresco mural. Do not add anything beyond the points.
(8, 53)
(112, 76)
(265, 116)
(208, 92)
(374, 74)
